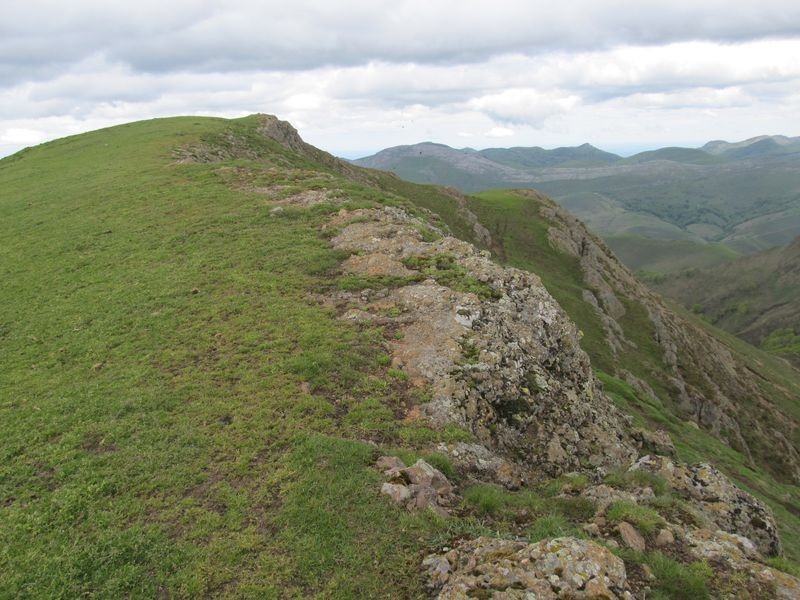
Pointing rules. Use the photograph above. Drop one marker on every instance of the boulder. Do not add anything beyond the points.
(397, 492)
(714, 495)
(632, 538)
(417, 487)
(664, 538)
(424, 475)
(558, 568)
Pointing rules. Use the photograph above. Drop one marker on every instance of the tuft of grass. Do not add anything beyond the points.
(573, 481)
(496, 501)
(644, 518)
(550, 526)
(784, 564)
(680, 581)
(637, 478)
(488, 499)
(574, 508)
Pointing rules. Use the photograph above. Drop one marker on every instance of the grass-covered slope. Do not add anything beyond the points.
(755, 297)
(175, 412)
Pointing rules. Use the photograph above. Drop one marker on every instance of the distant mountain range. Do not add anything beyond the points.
(718, 201)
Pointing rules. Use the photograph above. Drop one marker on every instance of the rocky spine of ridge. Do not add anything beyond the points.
(710, 385)
(492, 352)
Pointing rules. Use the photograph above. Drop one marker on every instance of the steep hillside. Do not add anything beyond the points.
(741, 196)
(235, 366)
(754, 297)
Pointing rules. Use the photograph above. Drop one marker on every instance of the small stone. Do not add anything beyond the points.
(648, 573)
(387, 463)
(398, 493)
(664, 538)
(421, 473)
(592, 529)
(632, 538)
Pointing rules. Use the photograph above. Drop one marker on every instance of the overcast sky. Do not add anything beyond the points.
(355, 77)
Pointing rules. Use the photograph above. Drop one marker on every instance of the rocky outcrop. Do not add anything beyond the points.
(738, 554)
(498, 354)
(707, 383)
(558, 568)
(728, 506)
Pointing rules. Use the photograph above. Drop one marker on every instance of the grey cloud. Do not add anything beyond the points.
(205, 36)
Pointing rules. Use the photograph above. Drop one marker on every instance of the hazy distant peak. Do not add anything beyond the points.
(763, 142)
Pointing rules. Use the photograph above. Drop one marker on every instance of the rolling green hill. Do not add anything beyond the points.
(191, 406)
(754, 297)
(743, 197)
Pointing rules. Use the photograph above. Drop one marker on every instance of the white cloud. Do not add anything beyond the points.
(498, 132)
(19, 135)
(524, 105)
(359, 77)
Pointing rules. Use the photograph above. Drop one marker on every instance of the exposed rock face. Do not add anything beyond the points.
(710, 386)
(558, 568)
(507, 364)
(729, 507)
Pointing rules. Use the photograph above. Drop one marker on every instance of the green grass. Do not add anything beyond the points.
(638, 478)
(177, 416)
(673, 580)
(643, 518)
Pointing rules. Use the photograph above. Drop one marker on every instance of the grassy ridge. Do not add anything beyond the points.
(179, 417)
(171, 402)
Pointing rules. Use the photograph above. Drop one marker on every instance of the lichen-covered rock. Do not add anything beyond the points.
(418, 487)
(496, 351)
(653, 442)
(729, 507)
(632, 538)
(738, 554)
(557, 568)
(484, 464)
